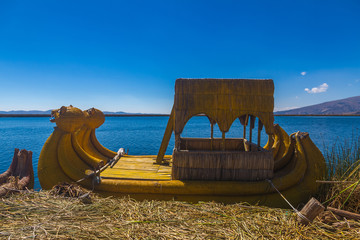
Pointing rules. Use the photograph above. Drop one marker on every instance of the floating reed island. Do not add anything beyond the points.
(48, 215)
(226, 170)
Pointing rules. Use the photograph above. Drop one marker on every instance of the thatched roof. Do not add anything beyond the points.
(224, 100)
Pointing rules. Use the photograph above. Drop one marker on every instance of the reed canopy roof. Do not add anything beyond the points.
(223, 101)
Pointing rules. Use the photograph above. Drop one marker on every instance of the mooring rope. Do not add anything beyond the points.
(296, 211)
(110, 163)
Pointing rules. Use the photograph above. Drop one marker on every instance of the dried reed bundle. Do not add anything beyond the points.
(68, 190)
(228, 165)
(224, 100)
(43, 215)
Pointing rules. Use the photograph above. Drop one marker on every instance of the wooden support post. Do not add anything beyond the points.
(252, 125)
(260, 126)
(212, 123)
(250, 137)
(177, 141)
(166, 139)
(223, 141)
(310, 211)
(212, 136)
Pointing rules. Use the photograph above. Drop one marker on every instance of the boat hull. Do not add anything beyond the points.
(73, 154)
(296, 178)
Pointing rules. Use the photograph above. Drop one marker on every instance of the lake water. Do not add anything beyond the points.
(143, 135)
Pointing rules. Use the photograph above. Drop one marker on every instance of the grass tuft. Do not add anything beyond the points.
(343, 171)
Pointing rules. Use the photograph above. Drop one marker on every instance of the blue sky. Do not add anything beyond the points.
(126, 55)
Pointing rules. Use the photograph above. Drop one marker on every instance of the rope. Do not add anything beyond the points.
(296, 211)
(110, 163)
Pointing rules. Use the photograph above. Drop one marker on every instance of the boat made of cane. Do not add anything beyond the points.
(200, 169)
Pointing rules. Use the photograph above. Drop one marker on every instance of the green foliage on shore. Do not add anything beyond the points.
(343, 174)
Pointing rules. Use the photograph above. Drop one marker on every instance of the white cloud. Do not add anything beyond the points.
(322, 88)
(303, 73)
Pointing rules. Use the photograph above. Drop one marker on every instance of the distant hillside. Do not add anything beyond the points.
(48, 112)
(347, 106)
(26, 112)
(115, 113)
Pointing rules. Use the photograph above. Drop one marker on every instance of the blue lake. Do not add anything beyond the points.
(143, 135)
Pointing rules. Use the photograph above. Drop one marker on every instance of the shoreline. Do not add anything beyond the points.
(167, 115)
(106, 115)
(317, 115)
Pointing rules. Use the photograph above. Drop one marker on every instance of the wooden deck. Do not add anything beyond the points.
(138, 167)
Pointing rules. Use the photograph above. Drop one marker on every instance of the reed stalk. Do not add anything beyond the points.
(343, 174)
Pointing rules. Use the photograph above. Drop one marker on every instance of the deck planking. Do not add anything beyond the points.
(138, 167)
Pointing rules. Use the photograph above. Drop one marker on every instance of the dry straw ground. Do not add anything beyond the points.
(47, 215)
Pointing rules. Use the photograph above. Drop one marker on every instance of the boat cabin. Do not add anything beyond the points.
(223, 101)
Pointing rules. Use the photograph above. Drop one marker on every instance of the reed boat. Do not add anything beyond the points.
(222, 169)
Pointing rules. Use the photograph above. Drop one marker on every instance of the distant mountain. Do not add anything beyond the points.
(26, 112)
(48, 112)
(347, 106)
(114, 113)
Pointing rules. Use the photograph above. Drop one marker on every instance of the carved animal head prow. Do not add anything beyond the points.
(94, 118)
(68, 118)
